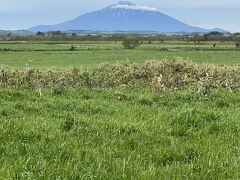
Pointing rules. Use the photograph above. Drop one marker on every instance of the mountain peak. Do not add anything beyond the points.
(127, 5)
(125, 2)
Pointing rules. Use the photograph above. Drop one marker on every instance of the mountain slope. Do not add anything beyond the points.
(123, 16)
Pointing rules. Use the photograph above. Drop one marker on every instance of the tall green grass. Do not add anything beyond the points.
(119, 134)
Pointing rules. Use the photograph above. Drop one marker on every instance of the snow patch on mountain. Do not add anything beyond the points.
(125, 2)
(134, 7)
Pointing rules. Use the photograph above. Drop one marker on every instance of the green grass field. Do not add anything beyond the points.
(58, 56)
(88, 134)
(99, 124)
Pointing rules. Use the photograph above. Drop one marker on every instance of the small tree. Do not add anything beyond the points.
(237, 44)
(72, 48)
(40, 33)
(74, 34)
(131, 43)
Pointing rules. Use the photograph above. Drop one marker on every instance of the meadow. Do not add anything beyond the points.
(57, 55)
(83, 134)
(65, 116)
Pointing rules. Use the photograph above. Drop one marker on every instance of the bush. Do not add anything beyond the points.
(131, 44)
(237, 44)
(73, 48)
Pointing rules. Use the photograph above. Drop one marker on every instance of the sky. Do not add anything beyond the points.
(22, 14)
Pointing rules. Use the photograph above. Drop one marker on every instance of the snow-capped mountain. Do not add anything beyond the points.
(123, 16)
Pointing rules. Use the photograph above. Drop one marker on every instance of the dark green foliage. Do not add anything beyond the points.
(145, 101)
(215, 33)
(72, 48)
(40, 33)
(238, 44)
(131, 43)
(7, 50)
(68, 124)
(58, 91)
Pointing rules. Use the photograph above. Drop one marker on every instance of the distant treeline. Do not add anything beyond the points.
(61, 36)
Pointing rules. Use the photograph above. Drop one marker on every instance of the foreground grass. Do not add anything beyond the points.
(123, 134)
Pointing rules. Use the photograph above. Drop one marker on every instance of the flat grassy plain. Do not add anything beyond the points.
(57, 55)
(118, 132)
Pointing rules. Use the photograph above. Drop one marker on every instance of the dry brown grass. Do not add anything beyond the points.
(154, 75)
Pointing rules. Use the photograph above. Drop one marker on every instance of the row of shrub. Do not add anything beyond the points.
(7, 49)
(154, 75)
